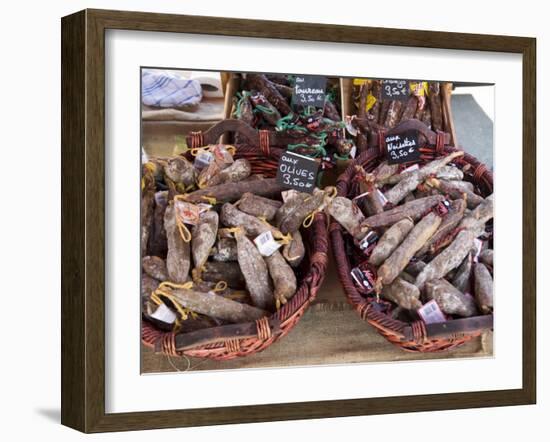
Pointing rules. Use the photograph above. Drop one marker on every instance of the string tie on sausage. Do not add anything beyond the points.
(196, 150)
(160, 292)
(283, 239)
(220, 286)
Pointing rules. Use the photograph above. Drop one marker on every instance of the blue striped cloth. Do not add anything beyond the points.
(164, 89)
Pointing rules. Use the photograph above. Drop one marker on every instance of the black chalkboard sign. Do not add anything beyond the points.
(395, 90)
(296, 171)
(402, 148)
(309, 90)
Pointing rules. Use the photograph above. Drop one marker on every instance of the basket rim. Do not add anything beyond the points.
(416, 336)
(280, 322)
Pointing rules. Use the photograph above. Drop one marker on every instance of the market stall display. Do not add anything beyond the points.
(375, 106)
(236, 264)
(233, 255)
(272, 103)
(411, 266)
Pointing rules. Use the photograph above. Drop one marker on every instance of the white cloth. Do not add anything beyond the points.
(164, 89)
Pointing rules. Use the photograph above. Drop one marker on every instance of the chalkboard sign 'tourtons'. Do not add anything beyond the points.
(296, 171)
(309, 90)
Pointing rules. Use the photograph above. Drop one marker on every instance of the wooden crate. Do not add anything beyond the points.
(349, 108)
(230, 82)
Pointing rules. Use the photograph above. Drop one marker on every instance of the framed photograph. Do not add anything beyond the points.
(267, 221)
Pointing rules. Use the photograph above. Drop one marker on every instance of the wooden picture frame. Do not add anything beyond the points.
(83, 215)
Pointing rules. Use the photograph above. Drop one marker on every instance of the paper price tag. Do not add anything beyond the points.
(478, 244)
(187, 212)
(203, 207)
(266, 244)
(371, 101)
(352, 130)
(368, 240)
(222, 155)
(353, 151)
(411, 168)
(377, 193)
(419, 88)
(363, 277)
(203, 159)
(431, 313)
(288, 194)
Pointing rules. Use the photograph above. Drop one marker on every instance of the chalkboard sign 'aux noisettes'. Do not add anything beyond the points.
(403, 147)
(296, 171)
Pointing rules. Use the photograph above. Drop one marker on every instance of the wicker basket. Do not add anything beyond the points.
(417, 336)
(237, 340)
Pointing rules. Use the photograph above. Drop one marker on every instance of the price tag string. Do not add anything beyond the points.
(263, 109)
(241, 99)
(319, 150)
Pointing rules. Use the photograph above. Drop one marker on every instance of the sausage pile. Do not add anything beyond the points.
(423, 103)
(421, 239)
(265, 102)
(218, 244)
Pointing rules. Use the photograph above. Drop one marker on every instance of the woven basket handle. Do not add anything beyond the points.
(450, 329)
(262, 138)
(212, 135)
(429, 135)
(223, 333)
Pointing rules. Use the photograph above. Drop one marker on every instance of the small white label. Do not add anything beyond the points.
(477, 245)
(266, 244)
(187, 212)
(431, 313)
(203, 207)
(288, 194)
(381, 197)
(360, 278)
(369, 239)
(358, 197)
(411, 168)
(222, 155)
(203, 159)
(353, 151)
(377, 194)
(164, 314)
(350, 127)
